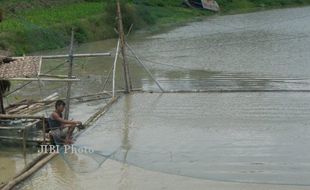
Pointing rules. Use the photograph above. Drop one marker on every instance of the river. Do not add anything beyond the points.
(255, 133)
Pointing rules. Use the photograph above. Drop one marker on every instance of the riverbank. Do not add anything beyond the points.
(45, 24)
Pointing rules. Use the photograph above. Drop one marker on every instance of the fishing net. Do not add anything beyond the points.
(83, 159)
(78, 157)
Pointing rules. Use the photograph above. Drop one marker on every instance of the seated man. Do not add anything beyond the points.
(57, 124)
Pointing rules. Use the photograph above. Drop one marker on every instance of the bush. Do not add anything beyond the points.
(138, 15)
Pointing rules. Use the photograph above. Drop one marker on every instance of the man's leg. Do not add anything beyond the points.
(70, 133)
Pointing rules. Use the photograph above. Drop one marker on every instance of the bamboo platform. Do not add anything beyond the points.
(25, 109)
(44, 158)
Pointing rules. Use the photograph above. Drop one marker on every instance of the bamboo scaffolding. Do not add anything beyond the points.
(41, 160)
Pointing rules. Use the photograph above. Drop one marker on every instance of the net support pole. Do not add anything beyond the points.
(123, 47)
(114, 68)
(146, 69)
(69, 84)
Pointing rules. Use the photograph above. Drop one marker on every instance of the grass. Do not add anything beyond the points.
(46, 24)
(239, 6)
(38, 29)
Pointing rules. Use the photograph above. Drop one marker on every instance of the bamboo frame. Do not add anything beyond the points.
(57, 76)
(34, 140)
(43, 79)
(21, 128)
(5, 116)
(41, 160)
(74, 55)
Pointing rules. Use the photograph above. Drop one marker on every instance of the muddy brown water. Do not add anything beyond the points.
(259, 137)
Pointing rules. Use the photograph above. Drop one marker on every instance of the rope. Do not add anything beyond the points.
(107, 80)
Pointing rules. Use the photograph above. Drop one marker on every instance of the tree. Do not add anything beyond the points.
(5, 86)
(1, 15)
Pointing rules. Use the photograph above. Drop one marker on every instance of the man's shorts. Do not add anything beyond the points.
(59, 136)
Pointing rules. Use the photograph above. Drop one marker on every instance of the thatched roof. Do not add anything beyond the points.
(26, 67)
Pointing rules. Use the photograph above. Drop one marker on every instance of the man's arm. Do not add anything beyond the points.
(64, 121)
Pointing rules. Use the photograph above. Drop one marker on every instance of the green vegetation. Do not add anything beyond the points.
(46, 24)
(237, 6)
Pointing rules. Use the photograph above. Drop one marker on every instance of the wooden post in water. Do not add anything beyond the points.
(44, 130)
(123, 48)
(69, 76)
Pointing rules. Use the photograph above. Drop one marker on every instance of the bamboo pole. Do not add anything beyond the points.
(24, 140)
(56, 76)
(34, 140)
(69, 85)
(123, 47)
(31, 164)
(5, 116)
(29, 172)
(44, 130)
(20, 128)
(67, 55)
(114, 68)
(43, 79)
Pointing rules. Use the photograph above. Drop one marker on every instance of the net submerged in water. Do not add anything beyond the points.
(82, 159)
